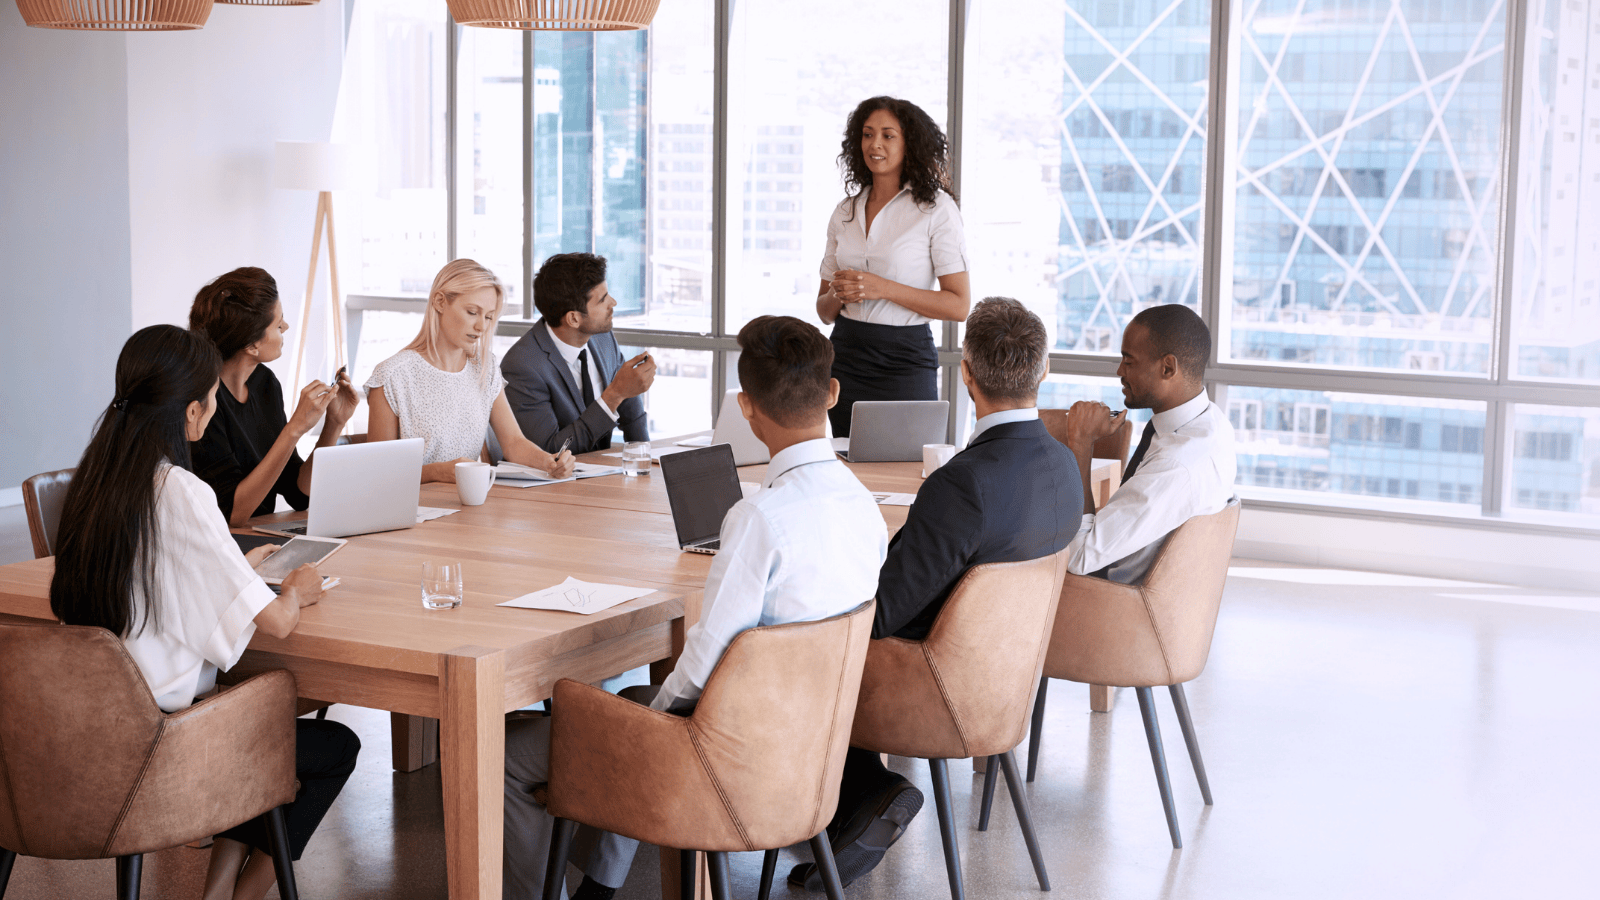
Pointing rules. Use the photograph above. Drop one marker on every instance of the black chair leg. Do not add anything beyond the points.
(717, 864)
(8, 858)
(555, 870)
(687, 883)
(990, 778)
(282, 865)
(823, 851)
(128, 870)
(1019, 802)
(1036, 730)
(769, 868)
(947, 826)
(1181, 704)
(1152, 732)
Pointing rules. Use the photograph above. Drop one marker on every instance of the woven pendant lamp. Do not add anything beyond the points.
(555, 15)
(116, 15)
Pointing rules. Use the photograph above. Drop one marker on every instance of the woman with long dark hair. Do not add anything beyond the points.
(896, 257)
(143, 553)
(247, 453)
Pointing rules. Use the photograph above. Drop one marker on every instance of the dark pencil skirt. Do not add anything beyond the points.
(881, 362)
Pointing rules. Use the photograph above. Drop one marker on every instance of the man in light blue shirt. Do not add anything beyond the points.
(807, 546)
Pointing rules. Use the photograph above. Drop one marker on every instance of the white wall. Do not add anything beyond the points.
(205, 110)
(64, 239)
(1412, 548)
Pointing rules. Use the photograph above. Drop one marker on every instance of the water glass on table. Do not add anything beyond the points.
(635, 458)
(441, 584)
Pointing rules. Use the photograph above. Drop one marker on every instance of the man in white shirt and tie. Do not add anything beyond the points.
(1184, 465)
(807, 546)
(566, 380)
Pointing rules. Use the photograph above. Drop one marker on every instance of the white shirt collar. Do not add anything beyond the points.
(1182, 414)
(1003, 417)
(567, 351)
(796, 455)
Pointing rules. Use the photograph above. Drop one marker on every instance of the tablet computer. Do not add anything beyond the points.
(293, 553)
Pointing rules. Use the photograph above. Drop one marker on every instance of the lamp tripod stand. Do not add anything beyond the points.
(335, 299)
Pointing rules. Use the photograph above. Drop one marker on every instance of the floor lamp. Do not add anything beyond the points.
(324, 168)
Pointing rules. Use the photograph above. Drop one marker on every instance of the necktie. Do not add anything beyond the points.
(1138, 453)
(588, 386)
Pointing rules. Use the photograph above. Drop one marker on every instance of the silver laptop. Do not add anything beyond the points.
(702, 485)
(360, 489)
(895, 430)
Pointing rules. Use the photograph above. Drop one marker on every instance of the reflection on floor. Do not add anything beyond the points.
(1366, 736)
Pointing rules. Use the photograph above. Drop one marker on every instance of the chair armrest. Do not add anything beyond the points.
(1103, 635)
(901, 709)
(633, 771)
(221, 762)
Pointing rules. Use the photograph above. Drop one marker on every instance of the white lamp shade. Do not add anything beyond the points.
(316, 166)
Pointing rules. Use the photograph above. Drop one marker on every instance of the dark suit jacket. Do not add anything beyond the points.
(1014, 494)
(548, 402)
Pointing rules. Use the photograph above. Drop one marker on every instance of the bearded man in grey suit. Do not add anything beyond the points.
(565, 379)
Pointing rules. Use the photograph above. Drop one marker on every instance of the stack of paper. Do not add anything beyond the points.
(513, 475)
(577, 596)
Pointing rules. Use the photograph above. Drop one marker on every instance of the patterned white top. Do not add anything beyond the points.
(448, 410)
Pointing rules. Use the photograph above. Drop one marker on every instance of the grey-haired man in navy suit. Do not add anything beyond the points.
(1013, 494)
(565, 379)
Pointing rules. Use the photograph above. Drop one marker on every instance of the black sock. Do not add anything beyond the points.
(593, 890)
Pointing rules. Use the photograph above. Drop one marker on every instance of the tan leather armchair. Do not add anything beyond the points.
(94, 769)
(42, 498)
(965, 690)
(1145, 635)
(755, 767)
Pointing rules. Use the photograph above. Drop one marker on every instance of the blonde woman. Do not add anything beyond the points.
(445, 386)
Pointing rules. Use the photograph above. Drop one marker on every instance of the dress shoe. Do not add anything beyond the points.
(865, 836)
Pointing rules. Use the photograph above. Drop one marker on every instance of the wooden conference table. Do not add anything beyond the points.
(370, 643)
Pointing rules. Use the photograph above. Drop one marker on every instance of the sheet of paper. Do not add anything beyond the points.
(893, 499)
(577, 596)
(428, 513)
(513, 475)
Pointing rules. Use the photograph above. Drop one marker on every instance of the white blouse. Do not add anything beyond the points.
(910, 243)
(207, 595)
(448, 410)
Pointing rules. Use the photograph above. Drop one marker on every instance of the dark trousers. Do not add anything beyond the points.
(881, 362)
(324, 756)
(864, 779)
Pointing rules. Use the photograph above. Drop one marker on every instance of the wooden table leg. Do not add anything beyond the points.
(473, 750)
(669, 876)
(413, 741)
(661, 668)
(1101, 698)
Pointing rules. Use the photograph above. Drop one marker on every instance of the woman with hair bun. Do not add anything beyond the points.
(896, 257)
(248, 454)
(143, 554)
(445, 386)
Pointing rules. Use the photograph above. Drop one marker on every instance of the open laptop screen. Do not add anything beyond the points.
(702, 485)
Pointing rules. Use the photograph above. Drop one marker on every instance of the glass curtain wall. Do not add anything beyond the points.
(1407, 318)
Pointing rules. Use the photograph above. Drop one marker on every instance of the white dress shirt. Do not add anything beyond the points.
(807, 546)
(910, 243)
(207, 595)
(1003, 417)
(1187, 471)
(569, 354)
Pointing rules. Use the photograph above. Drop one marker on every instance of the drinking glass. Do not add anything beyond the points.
(441, 584)
(635, 458)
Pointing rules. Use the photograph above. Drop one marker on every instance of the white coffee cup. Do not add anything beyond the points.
(473, 480)
(934, 456)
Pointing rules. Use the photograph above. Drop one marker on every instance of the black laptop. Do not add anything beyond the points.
(702, 485)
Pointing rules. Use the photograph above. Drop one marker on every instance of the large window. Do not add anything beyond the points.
(1388, 211)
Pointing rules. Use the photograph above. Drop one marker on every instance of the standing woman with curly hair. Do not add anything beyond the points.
(896, 257)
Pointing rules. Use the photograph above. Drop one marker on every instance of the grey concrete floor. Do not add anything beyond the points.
(1366, 736)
